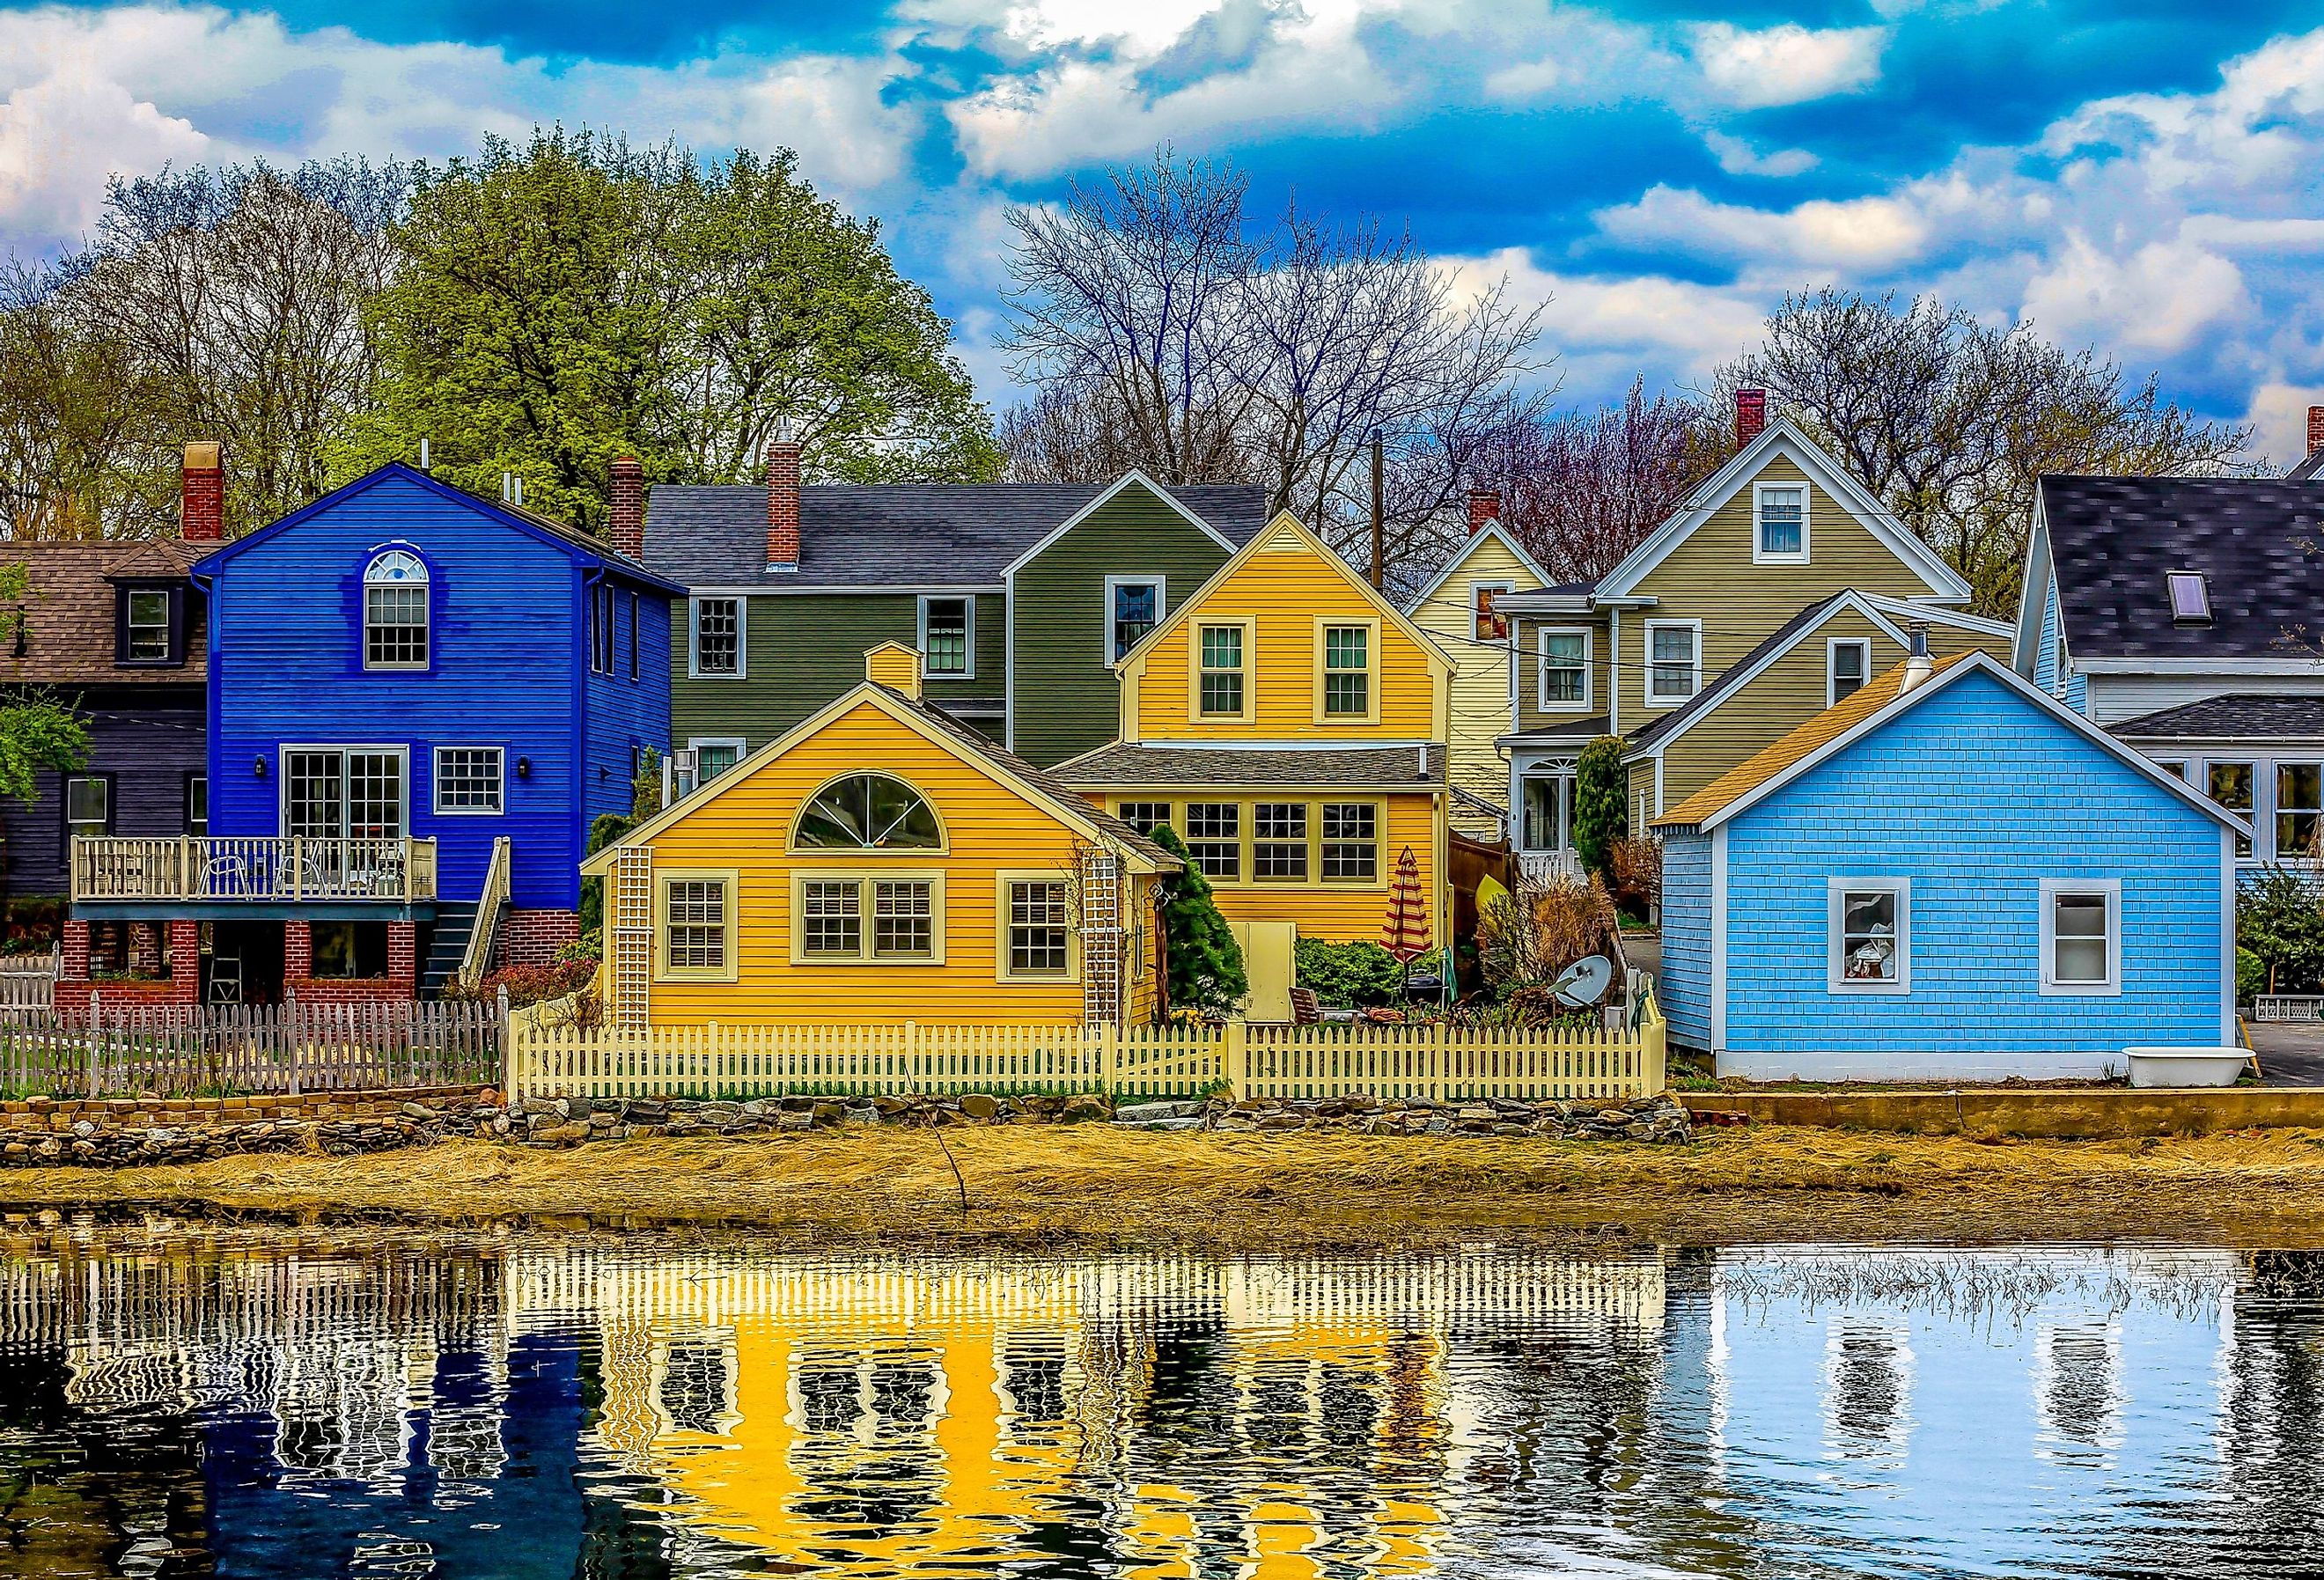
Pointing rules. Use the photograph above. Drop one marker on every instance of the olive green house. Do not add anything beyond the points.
(1017, 597)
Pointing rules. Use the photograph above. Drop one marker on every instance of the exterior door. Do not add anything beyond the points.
(1547, 822)
(330, 794)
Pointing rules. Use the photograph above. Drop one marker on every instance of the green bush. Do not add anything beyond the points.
(1600, 816)
(1347, 976)
(590, 947)
(2279, 919)
(2251, 976)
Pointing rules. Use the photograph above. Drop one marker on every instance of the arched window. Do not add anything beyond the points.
(395, 611)
(867, 811)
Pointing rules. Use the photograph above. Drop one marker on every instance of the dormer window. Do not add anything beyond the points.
(2190, 597)
(395, 611)
(1779, 524)
(148, 626)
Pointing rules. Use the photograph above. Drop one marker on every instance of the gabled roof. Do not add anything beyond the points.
(67, 637)
(902, 535)
(1782, 437)
(2308, 471)
(2236, 716)
(2258, 543)
(532, 522)
(1492, 532)
(1871, 709)
(930, 723)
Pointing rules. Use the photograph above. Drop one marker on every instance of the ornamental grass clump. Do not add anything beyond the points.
(1523, 940)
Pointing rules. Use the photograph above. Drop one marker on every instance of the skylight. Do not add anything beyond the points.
(2190, 597)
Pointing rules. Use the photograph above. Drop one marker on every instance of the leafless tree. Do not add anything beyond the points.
(76, 459)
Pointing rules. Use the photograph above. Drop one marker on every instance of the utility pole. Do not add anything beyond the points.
(1379, 516)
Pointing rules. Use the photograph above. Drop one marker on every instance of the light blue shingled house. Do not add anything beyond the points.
(1953, 875)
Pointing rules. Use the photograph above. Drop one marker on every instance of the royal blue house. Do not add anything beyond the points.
(406, 683)
(1950, 875)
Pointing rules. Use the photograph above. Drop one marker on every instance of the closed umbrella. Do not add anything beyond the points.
(1405, 934)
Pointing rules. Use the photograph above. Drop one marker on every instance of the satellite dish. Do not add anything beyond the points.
(1583, 983)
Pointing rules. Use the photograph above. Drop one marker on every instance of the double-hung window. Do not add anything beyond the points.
(1345, 657)
(197, 804)
(2298, 808)
(148, 626)
(1848, 664)
(1222, 656)
(1488, 623)
(1036, 921)
(1278, 849)
(1350, 842)
(948, 638)
(636, 607)
(2230, 784)
(1133, 606)
(395, 611)
(602, 645)
(1215, 839)
(717, 639)
(1779, 518)
(1673, 661)
(88, 805)
(1564, 681)
(1869, 927)
(468, 779)
(894, 918)
(2081, 935)
(697, 926)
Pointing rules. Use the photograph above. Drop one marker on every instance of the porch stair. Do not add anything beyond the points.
(455, 925)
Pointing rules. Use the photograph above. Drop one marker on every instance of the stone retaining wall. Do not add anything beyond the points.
(115, 1132)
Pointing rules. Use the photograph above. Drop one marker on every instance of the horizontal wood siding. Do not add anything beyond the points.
(1481, 673)
(1066, 694)
(991, 828)
(1530, 714)
(807, 648)
(508, 652)
(147, 748)
(625, 715)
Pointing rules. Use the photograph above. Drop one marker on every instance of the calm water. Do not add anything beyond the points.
(174, 1402)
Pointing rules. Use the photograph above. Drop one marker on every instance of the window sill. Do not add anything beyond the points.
(1875, 989)
(2060, 990)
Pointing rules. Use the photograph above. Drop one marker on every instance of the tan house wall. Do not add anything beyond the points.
(1481, 673)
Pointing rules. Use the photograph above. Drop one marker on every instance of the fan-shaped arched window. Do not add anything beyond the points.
(395, 611)
(867, 811)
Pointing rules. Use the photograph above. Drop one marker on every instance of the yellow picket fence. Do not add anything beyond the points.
(549, 1058)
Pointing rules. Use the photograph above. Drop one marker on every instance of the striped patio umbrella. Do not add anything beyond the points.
(1405, 934)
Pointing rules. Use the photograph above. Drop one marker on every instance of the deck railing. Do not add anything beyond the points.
(549, 1056)
(398, 871)
(1541, 869)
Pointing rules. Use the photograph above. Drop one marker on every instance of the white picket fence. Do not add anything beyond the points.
(549, 1056)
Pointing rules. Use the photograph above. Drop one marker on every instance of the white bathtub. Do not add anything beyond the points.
(2186, 1066)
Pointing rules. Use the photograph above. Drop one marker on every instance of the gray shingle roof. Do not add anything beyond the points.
(1565, 732)
(2236, 716)
(1353, 766)
(1732, 677)
(902, 534)
(2257, 542)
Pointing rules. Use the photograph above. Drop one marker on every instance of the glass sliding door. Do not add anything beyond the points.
(332, 794)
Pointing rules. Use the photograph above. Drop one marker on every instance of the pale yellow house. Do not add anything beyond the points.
(1459, 606)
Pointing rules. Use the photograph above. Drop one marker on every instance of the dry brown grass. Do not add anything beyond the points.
(1095, 1186)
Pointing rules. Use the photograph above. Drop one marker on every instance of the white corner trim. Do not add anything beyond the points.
(1759, 554)
(2230, 1026)
(1009, 662)
(1836, 979)
(1083, 514)
(2111, 887)
(1718, 941)
(1542, 633)
(1647, 697)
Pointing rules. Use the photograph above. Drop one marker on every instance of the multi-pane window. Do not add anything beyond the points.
(2079, 923)
(903, 917)
(1868, 935)
(717, 636)
(1136, 605)
(1221, 680)
(1037, 929)
(1279, 850)
(395, 611)
(1214, 837)
(1145, 816)
(2230, 785)
(695, 924)
(329, 794)
(2299, 801)
(1782, 520)
(1565, 668)
(1673, 656)
(88, 804)
(944, 636)
(831, 918)
(1847, 665)
(146, 626)
(1490, 623)
(1351, 841)
(468, 779)
(867, 811)
(712, 758)
(1347, 672)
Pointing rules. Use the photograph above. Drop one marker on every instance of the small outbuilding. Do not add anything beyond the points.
(1949, 875)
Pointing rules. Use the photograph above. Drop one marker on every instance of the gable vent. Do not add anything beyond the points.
(2190, 597)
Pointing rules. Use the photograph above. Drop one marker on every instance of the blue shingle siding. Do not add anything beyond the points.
(1685, 981)
(508, 667)
(2045, 656)
(1975, 796)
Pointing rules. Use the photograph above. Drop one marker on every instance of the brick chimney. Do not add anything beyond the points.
(625, 524)
(2315, 428)
(1484, 509)
(1750, 415)
(783, 501)
(202, 493)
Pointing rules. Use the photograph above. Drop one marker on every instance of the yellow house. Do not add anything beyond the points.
(1458, 606)
(1289, 724)
(881, 863)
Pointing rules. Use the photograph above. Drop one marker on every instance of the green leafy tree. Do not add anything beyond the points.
(603, 830)
(1349, 975)
(1206, 964)
(2280, 921)
(37, 731)
(1600, 816)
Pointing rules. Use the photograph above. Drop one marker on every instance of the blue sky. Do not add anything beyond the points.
(2138, 176)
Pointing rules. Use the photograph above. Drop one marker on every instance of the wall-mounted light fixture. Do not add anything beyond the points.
(258, 766)
(524, 768)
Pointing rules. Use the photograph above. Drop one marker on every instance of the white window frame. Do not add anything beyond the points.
(967, 601)
(694, 670)
(1161, 586)
(2051, 888)
(1836, 978)
(425, 580)
(696, 742)
(436, 785)
(402, 752)
(1647, 667)
(103, 781)
(1863, 644)
(1759, 555)
(1542, 703)
(1510, 620)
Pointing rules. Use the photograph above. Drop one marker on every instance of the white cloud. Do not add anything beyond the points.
(1787, 64)
(1738, 158)
(1604, 329)
(1855, 233)
(2279, 417)
(2156, 298)
(62, 136)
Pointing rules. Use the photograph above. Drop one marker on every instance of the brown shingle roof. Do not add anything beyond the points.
(68, 620)
(1120, 766)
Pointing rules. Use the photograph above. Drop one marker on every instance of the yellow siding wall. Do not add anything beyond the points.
(1286, 590)
(1480, 674)
(1145, 985)
(989, 825)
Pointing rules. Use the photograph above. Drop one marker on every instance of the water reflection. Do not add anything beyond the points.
(175, 1403)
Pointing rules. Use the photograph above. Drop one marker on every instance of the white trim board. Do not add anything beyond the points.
(1116, 487)
(1460, 556)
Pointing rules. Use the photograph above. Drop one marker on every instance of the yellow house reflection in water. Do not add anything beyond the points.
(1263, 1418)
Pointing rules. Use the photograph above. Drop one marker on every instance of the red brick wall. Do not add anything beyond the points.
(352, 990)
(76, 945)
(298, 951)
(533, 937)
